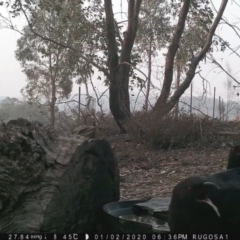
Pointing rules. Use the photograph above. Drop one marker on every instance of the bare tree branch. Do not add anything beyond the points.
(233, 51)
(195, 109)
(222, 68)
(98, 98)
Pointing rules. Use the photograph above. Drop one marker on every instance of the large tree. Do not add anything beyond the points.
(12, 108)
(153, 35)
(165, 104)
(117, 66)
(193, 38)
(48, 76)
(50, 68)
(119, 49)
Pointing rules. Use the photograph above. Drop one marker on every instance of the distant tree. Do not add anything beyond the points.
(115, 56)
(50, 68)
(12, 108)
(229, 87)
(48, 75)
(119, 49)
(153, 34)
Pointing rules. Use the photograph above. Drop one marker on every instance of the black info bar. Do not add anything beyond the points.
(115, 236)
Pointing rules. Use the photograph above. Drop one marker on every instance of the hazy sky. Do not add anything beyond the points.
(12, 79)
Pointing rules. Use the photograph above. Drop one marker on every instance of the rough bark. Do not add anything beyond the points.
(53, 75)
(119, 100)
(113, 61)
(50, 183)
(162, 106)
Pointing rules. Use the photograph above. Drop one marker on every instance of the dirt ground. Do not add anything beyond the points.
(145, 174)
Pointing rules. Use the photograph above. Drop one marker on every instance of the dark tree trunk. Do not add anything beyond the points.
(52, 112)
(119, 66)
(50, 183)
(53, 88)
(53, 101)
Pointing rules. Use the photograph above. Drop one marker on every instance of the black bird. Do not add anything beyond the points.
(206, 204)
(234, 157)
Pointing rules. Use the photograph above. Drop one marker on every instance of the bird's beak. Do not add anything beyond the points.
(211, 184)
(210, 203)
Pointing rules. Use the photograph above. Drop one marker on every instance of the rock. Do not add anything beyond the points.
(54, 184)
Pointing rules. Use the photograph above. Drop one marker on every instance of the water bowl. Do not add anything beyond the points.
(135, 217)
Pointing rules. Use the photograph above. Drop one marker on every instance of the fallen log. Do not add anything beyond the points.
(227, 133)
(53, 184)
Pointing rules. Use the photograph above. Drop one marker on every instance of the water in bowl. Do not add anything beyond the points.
(157, 224)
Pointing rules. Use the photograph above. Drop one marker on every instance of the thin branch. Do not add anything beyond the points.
(204, 89)
(153, 86)
(63, 45)
(233, 51)
(137, 99)
(122, 22)
(98, 98)
(233, 27)
(70, 101)
(129, 64)
(211, 32)
(236, 3)
(195, 109)
(222, 68)
(103, 93)
(118, 33)
(233, 107)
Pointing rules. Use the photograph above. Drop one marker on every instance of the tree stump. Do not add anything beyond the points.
(53, 184)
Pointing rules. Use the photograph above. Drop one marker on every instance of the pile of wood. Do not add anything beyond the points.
(50, 183)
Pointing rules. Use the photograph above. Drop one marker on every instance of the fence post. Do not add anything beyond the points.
(214, 101)
(191, 100)
(79, 102)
